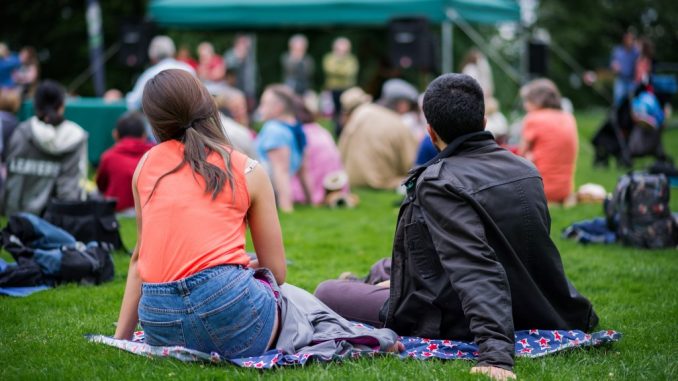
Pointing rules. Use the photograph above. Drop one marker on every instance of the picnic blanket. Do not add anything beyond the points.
(532, 343)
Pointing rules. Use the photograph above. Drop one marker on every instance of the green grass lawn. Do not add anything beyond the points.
(633, 291)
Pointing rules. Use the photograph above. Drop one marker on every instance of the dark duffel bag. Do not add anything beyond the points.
(91, 220)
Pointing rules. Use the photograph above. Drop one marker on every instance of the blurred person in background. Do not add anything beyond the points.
(623, 64)
(321, 157)
(400, 96)
(341, 72)
(644, 64)
(184, 55)
(377, 148)
(476, 66)
(549, 139)
(298, 67)
(46, 155)
(8, 63)
(242, 68)
(240, 137)
(10, 102)
(26, 76)
(117, 164)
(211, 67)
(161, 53)
(281, 143)
(496, 121)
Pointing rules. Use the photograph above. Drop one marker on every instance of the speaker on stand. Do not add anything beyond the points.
(411, 44)
(537, 58)
(134, 41)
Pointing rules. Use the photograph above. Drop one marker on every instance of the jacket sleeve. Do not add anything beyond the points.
(474, 272)
(73, 170)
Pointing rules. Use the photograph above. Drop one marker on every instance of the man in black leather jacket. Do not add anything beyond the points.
(472, 256)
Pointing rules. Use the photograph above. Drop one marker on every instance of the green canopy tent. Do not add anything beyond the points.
(284, 13)
(251, 14)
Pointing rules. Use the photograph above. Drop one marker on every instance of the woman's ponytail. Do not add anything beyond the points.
(197, 148)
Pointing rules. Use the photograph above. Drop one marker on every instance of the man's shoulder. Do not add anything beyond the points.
(474, 172)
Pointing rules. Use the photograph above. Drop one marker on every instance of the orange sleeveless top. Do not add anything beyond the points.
(183, 230)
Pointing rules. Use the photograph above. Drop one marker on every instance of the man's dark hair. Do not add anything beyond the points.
(130, 124)
(48, 100)
(454, 106)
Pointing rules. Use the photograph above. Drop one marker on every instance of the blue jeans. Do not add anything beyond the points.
(222, 309)
(622, 89)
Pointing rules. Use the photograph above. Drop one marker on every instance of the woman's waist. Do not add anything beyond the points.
(224, 273)
(171, 266)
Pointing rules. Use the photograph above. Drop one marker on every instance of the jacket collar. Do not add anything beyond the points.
(450, 150)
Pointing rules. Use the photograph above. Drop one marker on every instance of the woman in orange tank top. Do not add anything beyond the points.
(190, 282)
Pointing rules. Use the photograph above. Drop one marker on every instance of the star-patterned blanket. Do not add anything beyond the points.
(532, 343)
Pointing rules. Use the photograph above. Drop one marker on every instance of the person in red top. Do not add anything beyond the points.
(211, 67)
(184, 55)
(549, 139)
(117, 164)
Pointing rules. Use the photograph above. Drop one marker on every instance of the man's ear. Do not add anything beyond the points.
(431, 133)
(484, 122)
(115, 135)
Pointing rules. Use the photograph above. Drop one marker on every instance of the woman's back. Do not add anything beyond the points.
(184, 229)
(554, 144)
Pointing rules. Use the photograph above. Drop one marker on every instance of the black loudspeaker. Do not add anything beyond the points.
(134, 40)
(411, 44)
(537, 62)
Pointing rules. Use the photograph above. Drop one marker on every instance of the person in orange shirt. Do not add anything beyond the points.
(190, 282)
(549, 139)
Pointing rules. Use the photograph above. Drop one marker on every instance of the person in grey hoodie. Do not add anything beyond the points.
(46, 156)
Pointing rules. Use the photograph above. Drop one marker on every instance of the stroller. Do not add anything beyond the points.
(632, 129)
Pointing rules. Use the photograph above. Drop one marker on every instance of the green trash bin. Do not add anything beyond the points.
(97, 117)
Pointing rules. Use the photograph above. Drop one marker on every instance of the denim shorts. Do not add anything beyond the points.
(222, 309)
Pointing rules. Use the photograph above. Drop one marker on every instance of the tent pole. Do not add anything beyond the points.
(447, 30)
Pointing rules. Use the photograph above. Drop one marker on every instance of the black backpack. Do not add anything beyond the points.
(35, 243)
(639, 212)
(91, 220)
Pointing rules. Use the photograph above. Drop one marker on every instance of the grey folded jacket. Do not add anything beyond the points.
(309, 326)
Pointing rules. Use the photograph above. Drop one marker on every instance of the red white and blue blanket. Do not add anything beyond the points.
(532, 343)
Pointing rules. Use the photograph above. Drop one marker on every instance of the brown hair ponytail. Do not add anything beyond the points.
(179, 108)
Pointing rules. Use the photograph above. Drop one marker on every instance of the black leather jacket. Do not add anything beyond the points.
(472, 256)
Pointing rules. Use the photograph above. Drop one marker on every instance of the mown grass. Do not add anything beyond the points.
(634, 291)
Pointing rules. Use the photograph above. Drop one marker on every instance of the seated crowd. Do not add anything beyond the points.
(186, 161)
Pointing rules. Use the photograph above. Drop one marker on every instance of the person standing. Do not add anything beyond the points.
(644, 64)
(26, 76)
(298, 67)
(341, 71)
(8, 63)
(241, 67)
(476, 66)
(623, 64)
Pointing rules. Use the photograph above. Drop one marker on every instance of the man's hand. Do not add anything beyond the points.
(494, 372)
